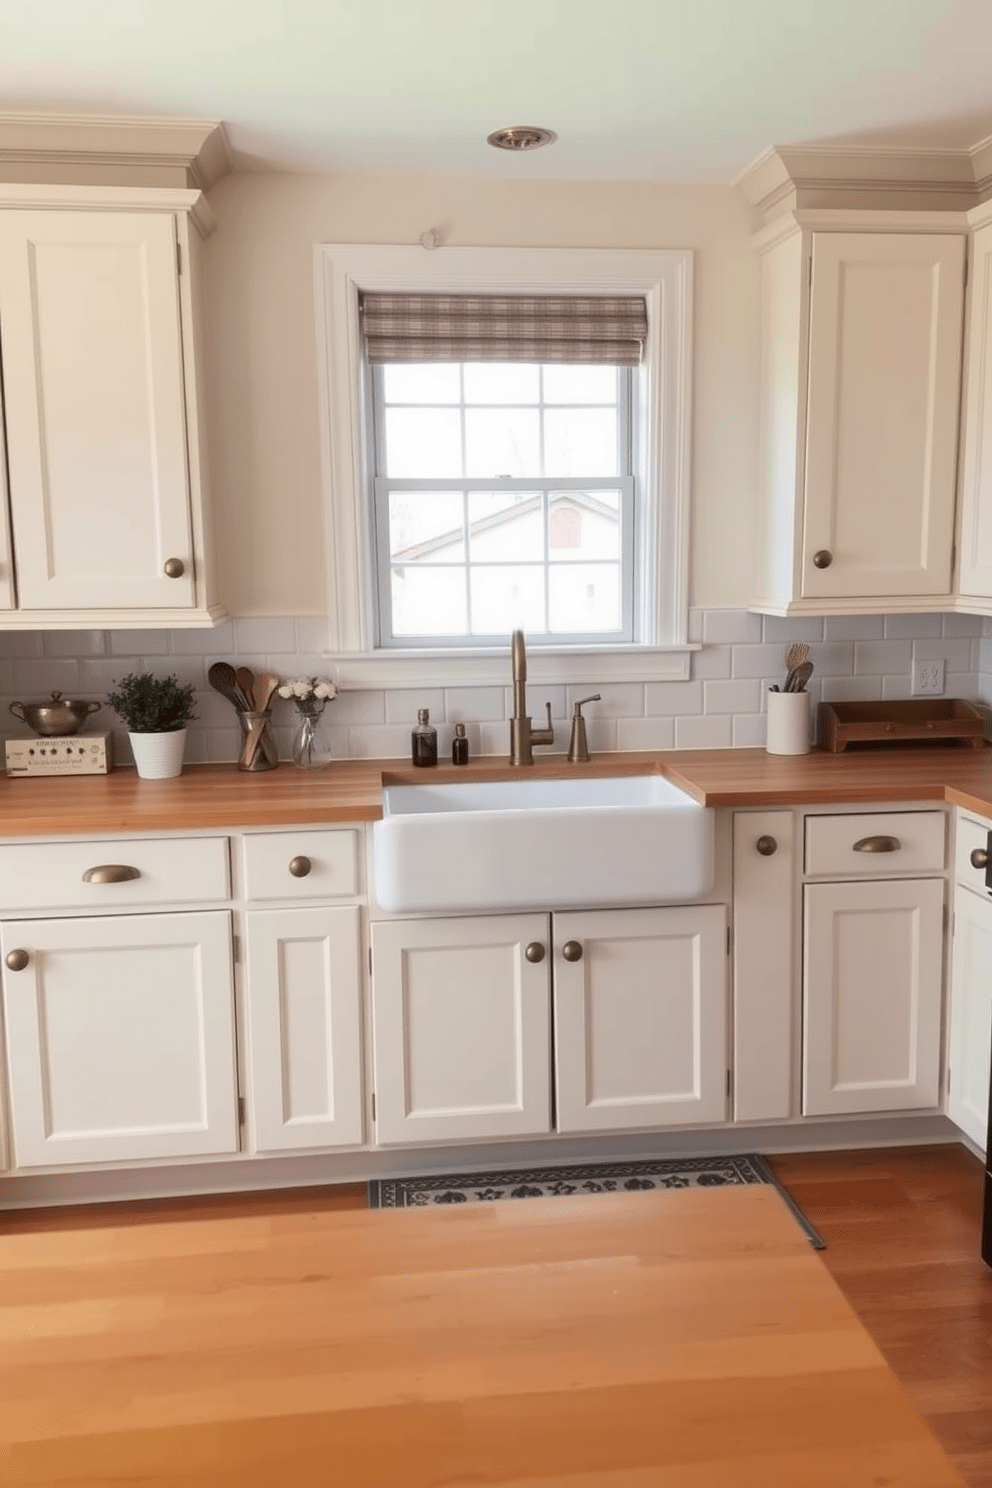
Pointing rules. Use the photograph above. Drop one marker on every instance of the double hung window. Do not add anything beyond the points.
(503, 490)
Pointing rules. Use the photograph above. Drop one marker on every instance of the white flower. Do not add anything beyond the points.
(286, 690)
(303, 689)
(325, 690)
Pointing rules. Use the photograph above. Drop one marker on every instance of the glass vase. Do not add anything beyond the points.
(311, 744)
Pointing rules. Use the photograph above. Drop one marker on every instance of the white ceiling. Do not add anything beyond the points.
(659, 90)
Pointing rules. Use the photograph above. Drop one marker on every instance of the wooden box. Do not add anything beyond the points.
(912, 721)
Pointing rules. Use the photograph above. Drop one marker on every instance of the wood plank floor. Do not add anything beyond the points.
(901, 1229)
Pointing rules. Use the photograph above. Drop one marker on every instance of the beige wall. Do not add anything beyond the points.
(261, 350)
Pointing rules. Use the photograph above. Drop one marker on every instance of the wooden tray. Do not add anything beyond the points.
(915, 720)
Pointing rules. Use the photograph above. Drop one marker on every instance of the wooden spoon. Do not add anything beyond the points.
(263, 690)
(225, 680)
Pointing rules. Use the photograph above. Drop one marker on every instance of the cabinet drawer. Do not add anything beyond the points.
(970, 836)
(301, 865)
(832, 843)
(175, 870)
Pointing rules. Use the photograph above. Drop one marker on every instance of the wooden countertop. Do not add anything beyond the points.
(351, 790)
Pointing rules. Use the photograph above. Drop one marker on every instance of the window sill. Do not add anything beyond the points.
(462, 668)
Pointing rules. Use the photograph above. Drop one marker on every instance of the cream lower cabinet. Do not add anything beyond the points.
(872, 985)
(120, 1038)
(304, 1045)
(462, 1020)
(970, 1038)
(640, 1005)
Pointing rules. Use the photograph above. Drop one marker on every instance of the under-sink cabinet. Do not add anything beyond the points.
(518, 1025)
(120, 1032)
(970, 1036)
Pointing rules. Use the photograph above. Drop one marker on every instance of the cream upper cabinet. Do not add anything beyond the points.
(105, 518)
(860, 374)
(975, 543)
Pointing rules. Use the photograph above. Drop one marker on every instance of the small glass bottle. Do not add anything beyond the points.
(459, 746)
(423, 739)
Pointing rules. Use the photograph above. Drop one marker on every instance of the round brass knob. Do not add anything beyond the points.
(535, 952)
(572, 950)
(766, 846)
(822, 558)
(174, 568)
(980, 858)
(300, 867)
(17, 960)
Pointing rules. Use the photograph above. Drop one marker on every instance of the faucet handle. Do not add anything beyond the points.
(597, 697)
(578, 749)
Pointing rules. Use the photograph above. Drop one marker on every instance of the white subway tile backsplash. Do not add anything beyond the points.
(793, 628)
(853, 627)
(735, 626)
(855, 657)
(712, 662)
(750, 731)
(704, 733)
(474, 705)
(878, 658)
(646, 733)
(673, 697)
(732, 697)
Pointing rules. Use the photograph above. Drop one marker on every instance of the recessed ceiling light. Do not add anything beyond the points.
(521, 137)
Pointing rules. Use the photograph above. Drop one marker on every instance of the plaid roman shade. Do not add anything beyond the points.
(504, 328)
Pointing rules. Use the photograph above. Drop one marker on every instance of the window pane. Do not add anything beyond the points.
(501, 382)
(421, 382)
(585, 598)
(580, 442)
(506, 597)
(426, 526)
(512, 531)
(567, 383)
(423, 443)
(503, 441)
(428, 601)
(584, 525)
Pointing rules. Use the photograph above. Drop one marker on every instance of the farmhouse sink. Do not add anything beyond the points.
(540, 844)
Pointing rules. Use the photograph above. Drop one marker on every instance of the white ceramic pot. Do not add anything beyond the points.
(789, 723)
(159, 756)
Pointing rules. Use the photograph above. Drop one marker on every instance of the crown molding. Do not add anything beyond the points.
(792, 177)
(113, 150)
(72, 198)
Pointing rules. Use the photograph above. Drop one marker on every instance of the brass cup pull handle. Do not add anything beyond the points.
(822, 558)
(572, 950)
(17, 960)
(534, 952)
(766, 846)
(879, 844)
(174, 568)
(300, 867)
(111, 873)
(980, 858)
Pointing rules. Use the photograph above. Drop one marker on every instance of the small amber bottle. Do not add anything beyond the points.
(459, 746)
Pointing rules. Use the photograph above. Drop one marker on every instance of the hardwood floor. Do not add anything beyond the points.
(901, 1228)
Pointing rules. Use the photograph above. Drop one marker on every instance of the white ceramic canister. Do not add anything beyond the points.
(788, 723)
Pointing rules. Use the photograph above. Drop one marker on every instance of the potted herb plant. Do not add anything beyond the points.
(155, 711)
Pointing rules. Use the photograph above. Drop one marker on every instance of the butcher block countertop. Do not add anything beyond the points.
(207, 796)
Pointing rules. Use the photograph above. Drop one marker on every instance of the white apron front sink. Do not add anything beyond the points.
(540, 844)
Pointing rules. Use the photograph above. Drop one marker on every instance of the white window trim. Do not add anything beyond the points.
(664, 278)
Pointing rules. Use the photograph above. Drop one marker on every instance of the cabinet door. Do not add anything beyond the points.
(873, 958)
(640, 1018)
(765, 973)
(304, 1028)
(971, 1016)
(120, 1038)
(885, 336)
(975, 560)
(461, 1020)
(95, 403)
